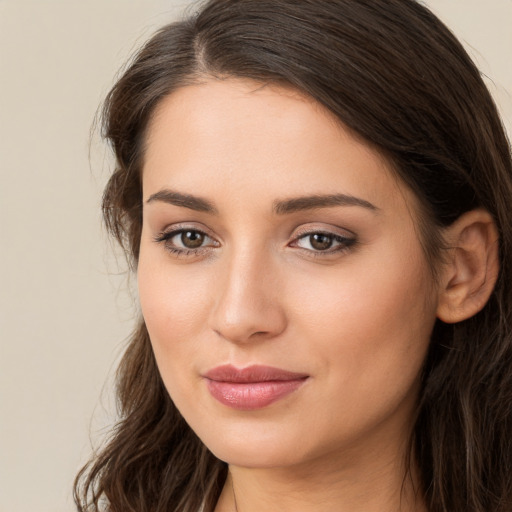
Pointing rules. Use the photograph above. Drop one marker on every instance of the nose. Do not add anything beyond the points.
(248, 303)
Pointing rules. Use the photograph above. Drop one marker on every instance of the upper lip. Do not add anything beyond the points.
(254, 373)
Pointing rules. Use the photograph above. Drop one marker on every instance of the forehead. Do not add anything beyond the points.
(244, 137)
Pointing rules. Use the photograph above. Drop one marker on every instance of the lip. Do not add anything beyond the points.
(253, 387)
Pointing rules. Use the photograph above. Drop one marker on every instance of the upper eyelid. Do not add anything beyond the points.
(180, 227)
(339, 238)
(332, 230)
(300, 231)
(171, 233)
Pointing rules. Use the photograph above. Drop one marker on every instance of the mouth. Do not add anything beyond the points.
(253, 387)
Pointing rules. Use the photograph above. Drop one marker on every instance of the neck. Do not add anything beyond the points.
(371, 485)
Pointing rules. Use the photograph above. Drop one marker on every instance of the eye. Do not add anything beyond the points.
(189, 239)
(322, 242)
(317, 241)
(186, 241)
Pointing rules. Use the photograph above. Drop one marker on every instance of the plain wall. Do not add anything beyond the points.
(64, 307)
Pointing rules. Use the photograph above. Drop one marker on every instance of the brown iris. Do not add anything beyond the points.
(320, 242)
(192, 239)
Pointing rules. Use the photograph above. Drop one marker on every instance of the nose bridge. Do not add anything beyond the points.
(247, 303)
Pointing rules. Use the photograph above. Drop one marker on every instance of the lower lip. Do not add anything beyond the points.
(248, 396)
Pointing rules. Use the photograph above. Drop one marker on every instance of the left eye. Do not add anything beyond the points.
(322, 242)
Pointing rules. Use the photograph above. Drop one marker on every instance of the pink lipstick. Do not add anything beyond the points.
(253, 387)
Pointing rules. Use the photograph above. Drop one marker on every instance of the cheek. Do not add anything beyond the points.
(172, 300)
(372, 325)
(174, 308)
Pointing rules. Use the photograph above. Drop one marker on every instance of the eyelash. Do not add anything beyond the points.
(345, 243)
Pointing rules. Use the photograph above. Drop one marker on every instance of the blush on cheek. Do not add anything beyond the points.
(169, 298)
(373, 320)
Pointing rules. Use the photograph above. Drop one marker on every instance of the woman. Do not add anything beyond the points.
(314, 195)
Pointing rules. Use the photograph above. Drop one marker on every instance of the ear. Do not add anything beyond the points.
(470, 272)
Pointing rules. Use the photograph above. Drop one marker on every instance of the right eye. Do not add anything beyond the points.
(188, 239)
(185, 241)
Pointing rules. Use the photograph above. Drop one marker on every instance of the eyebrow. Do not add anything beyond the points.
(320, 201)
(280, 207)
(184, 200)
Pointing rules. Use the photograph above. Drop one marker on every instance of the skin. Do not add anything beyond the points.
(357, 320)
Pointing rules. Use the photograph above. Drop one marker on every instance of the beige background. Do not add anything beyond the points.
(64, 306)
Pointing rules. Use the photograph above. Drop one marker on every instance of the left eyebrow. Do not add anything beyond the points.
(296, 204)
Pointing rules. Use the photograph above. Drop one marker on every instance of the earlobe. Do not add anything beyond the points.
(472, 267)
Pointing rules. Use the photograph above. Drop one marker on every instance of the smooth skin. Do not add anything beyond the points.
(235, 270)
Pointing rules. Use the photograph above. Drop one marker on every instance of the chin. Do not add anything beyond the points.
(255, 456)
(262, 449)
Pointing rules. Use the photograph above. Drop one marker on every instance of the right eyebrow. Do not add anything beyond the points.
(184, 200)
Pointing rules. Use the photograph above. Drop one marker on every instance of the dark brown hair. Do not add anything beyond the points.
(394, 74)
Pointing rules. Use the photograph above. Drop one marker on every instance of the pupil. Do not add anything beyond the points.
(192, 239)
(320, 241)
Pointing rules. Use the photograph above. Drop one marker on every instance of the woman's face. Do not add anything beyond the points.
(281, 278)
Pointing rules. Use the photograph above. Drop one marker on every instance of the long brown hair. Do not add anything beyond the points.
(393, 73)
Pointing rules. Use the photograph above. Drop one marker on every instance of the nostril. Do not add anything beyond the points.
(244, 307)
